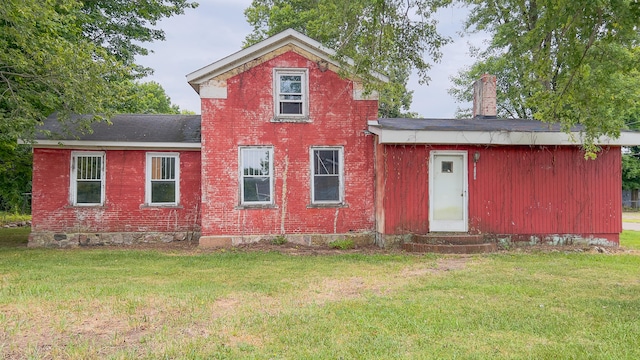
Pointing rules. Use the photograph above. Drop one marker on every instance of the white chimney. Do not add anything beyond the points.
(484, 97)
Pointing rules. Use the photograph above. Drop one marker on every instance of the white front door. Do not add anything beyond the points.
(448, 191)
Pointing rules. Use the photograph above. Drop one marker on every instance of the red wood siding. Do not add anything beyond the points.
(124, 209)
(518, 190)
(244, 119)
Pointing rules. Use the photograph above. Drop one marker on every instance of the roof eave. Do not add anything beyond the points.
(470, 137)
(112, 145)
(287, 37)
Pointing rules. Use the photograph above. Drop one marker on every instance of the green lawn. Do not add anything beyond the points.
(131, 304)
(630, 240)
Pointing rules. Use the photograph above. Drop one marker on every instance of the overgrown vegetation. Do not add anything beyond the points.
(279, 240)
(130, 304)
(13, 217)
(342, 244)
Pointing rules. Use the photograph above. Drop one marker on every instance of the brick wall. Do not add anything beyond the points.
(124, 209)
(244, 118)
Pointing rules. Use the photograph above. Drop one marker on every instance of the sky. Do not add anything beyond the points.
(217, 28)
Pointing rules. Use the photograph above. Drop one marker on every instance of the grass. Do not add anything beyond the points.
(128, 304)
(14, 237)
(630, 240)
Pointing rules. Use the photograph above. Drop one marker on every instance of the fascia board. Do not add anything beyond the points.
(287, 37)
(387, 136)
(80, 144)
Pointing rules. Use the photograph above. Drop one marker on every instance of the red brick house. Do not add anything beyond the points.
(285, 146)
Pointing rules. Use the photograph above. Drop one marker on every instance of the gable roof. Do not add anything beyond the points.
(485, 131)
(258, 53)
(125, 131)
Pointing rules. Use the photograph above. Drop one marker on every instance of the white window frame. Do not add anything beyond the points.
(304, 76)
(340, 174)
(73, 188)
(149, 180)
(242, 152)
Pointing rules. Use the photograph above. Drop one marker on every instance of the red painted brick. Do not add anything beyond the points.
(124, 208)
(244, 118)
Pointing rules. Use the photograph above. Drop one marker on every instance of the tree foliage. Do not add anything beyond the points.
(145, 98)
(70, 56)
(560, 61)
(390, 37)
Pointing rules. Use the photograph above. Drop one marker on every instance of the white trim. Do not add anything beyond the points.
(213, 90)
(287, 37)
(148, 170)
(241, 175)
(304, 75)
(73, 188)
(99, 145)
(389, 136)
(340, 150)
(453, 225)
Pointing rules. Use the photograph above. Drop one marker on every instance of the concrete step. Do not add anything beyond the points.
(448, 239)
(450, 249)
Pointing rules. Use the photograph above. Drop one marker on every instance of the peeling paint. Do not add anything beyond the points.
(283, 210)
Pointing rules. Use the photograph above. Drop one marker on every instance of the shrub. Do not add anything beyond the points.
(342, 244)
(279, 240)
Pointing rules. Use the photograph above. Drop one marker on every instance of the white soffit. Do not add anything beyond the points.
(479, 137)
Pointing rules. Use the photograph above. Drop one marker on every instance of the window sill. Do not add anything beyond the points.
(255, 207)
(152, 206)
(327, 205)
(291, 119)
(86, 206)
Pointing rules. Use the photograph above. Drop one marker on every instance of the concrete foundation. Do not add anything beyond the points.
(302, 239)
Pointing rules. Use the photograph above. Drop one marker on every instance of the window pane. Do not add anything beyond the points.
(326, 162)
(88, 167)
(163, 192)
(290, 108)
(255, 162)
(163, 168)
(257, 189)
(291, 84)
(89, 192)
(326, 188)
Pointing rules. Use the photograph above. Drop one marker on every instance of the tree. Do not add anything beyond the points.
(385, 36)
(146, 98)
(69, 56)
(560, 61)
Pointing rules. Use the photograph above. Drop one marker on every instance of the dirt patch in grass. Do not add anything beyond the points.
(261, 246)
(452, 261)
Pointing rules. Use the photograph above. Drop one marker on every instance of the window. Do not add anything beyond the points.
(256, 175)
(290, 93)
(87, 178)
(326, 172)
(163, 179)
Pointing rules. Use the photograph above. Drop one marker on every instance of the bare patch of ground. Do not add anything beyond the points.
(294, 249)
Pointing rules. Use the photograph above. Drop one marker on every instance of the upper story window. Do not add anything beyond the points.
(163, 179)
(87, 178)
(291, 99)
(256, 175)
(327, 179)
